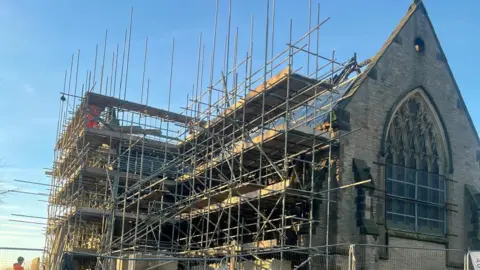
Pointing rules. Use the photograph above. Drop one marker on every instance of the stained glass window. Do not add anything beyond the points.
(415, 185)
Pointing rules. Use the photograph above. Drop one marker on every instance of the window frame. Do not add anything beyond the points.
(415, 141)
(416, 201)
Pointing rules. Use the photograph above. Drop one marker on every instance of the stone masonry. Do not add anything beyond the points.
(394, 72)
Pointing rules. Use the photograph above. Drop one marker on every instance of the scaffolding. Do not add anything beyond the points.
(245, 174)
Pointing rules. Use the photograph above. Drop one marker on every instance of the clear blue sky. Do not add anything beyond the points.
(39, 37)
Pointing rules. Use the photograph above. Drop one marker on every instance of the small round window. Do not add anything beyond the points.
(419, 45)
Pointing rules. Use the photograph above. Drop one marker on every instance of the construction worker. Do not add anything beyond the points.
(18, 264)
(92, 115)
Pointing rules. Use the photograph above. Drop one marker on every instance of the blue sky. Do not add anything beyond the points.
(39, 37)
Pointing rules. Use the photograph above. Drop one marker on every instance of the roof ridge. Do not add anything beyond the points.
(416, 4)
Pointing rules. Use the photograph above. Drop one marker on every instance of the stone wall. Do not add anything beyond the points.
(408, 254)
(398, 71)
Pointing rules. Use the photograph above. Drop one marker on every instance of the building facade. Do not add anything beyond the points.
(420, 144)
(370, 165)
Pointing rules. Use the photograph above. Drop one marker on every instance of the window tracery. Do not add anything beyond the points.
(415, 185)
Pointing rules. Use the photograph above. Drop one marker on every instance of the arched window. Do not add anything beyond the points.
(416, 162)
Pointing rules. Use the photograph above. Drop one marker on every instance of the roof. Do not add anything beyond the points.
(108, 101)
(417, 5)
(374, 60)
(313, 113)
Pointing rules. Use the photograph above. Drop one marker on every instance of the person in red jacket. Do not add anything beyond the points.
(18, 265)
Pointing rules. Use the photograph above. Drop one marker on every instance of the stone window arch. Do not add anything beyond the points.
(417, 162)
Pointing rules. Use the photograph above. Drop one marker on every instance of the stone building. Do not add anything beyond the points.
(244, 187)
(418, 143)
